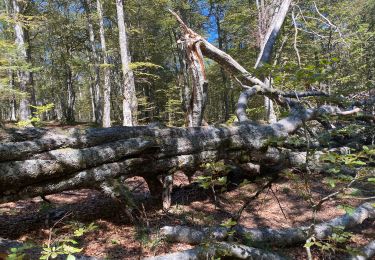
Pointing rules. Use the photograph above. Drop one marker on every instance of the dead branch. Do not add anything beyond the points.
(277, 237)
(221, 249)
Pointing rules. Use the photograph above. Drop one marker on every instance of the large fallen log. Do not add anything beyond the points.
(366, 253)
(218, 250)
(89, 159)
(275, 237)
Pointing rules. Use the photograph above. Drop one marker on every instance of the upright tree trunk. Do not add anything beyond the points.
(267, 41)
(220, 40)
(71, 96)
(107, 72)
(13, 102)
(130, 104)
(24, 76)
(195, 96)
(96, 94)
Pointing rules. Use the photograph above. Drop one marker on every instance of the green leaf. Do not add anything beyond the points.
(371, 179)
(348, 209)
(309, 244)
(229, 223)
(71, 257)
(358, 162)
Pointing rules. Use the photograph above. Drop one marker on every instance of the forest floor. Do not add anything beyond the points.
(115, 238)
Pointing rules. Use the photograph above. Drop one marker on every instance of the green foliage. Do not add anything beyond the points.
(213, 175)
(146, 239)
(348, 209)
(18, 253)
(68, 246)
(36, 119)
(337, 242)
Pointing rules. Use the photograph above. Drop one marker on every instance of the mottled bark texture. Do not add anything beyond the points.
(53, 162)
(106, 68)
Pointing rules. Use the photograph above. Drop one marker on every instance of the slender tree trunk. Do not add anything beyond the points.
(267, 42)
(24, 76)
(71, 96)
(107, 72)
(220, 39)
(130, 104)
(96, 94)
(13, 102)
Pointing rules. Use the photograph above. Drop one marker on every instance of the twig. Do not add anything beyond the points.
(330, 23)
(278, 202)
(54, 225)
(254, 196)
(318, 205)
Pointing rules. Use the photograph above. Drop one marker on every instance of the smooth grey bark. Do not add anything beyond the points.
(95, 84)
(220, 249)
(366, 253)
(267, 42)
(269, 236)
(272, 33)
(130, 103)
(55, 162)
(23, 75)
(107, 72)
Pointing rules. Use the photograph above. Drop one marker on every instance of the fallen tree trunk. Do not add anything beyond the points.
(221, 249)
(366, 253)
(275, 237)
(86, 160)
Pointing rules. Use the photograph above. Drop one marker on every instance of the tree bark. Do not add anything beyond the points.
(218, 250)
(23, 75)
(107, 72)
(52, 162)
(95, 84)
(130, 102)
(198, 88)
(71, 95)
(267, 42)
(274, 237)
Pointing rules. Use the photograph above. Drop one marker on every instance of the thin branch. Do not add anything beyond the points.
(278, 202)
(296, 38)
(330, 23)
(254, 196)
